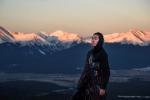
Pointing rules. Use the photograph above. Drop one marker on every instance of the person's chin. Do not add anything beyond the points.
(92, 45)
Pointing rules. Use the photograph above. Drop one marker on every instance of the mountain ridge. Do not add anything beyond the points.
(133, 36)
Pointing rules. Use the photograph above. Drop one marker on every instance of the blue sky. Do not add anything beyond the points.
(77, 16)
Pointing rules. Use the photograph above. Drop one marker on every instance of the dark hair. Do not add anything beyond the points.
(101, 37)
(99, 45)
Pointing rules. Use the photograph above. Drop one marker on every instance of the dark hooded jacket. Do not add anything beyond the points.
(99, 56)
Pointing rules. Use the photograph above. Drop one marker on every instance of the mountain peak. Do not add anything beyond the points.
(65, 36)
(137, 32)
(134, 36)
(20, 36)
(5, 35)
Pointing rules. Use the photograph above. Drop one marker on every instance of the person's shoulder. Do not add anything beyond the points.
(104, 53)
(90, 52)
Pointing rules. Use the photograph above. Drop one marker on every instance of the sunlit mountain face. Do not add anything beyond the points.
(57, 40)
(134, 36)
(5, 35)
(60, 35)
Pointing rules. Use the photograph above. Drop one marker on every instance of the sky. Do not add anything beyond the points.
(83, 17)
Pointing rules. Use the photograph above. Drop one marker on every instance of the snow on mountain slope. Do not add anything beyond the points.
(60, 35)
(5, 35)
(132, 37)
(40, 38)
(135, 37)
(64, 38)
(24, 37)
(30, 38)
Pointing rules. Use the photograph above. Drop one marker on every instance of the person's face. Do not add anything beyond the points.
(94, 40)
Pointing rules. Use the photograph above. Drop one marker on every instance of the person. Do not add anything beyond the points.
(92, 84)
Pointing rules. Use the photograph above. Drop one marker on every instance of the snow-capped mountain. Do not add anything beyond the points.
(44, 38)
(5, 35)
(57, 40)
(64, 36)
(132, 37)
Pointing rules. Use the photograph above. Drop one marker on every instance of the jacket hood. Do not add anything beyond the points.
(100, 43)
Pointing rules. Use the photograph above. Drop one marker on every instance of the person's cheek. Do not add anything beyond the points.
(96, 42)
(92, 42)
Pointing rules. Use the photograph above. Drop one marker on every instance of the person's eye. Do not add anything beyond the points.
(94, 37)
